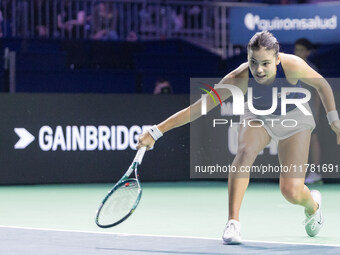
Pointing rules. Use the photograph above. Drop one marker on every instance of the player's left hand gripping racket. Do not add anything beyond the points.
(122, 200)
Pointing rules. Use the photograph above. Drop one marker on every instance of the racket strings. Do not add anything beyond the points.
(120, 203)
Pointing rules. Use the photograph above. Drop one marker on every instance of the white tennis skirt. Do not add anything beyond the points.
(280, 127)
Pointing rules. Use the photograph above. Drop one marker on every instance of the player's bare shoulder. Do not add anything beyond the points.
(291, 64)
(238, 77)
(241, 72)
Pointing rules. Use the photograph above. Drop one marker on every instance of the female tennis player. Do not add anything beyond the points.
(265, 64)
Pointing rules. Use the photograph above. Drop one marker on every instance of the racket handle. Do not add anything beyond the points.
(139, 156)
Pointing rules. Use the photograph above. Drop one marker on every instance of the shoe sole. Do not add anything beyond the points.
(231, 242)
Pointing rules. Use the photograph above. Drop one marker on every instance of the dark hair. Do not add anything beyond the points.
(264, 39)
(304, 42)
(162, 79)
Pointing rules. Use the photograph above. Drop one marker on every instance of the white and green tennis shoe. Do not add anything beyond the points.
(232, 233)
(313, 223)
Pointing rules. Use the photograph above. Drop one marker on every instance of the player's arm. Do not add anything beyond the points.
(238, 77)
(296, 67)
(193, 112)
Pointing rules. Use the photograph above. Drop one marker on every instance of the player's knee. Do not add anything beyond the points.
(292, 192)
(247, 152)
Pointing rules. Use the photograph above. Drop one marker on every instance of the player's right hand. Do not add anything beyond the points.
(146, 140)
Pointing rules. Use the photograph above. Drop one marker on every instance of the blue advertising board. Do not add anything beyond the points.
(319, 23)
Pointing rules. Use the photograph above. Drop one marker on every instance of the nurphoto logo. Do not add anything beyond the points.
(238, 100)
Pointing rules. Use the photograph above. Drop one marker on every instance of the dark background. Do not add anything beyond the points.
(32, 111)
(168, 161)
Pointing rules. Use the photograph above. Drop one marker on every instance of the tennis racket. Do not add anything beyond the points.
(122, 200)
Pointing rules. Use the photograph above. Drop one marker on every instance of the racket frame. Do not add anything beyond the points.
(133, 167)
(124, 179)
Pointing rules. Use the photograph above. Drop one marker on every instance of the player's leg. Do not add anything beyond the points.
(315, 158)
(251, 141)
(293, 153)
(315, 149)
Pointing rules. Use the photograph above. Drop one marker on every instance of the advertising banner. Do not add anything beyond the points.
(319, 23)
(89, 138)
(70, 138)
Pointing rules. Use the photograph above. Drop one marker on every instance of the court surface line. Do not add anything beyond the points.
(165, 236)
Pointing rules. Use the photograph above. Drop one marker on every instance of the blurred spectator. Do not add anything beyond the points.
(194, 17)
(43, 20)
(303, 48)
(104, 21)
(132, 36)
(20, 19)
(178, 20)
(71, 19)
(147, 18)
(162, 87)
(5, 23)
